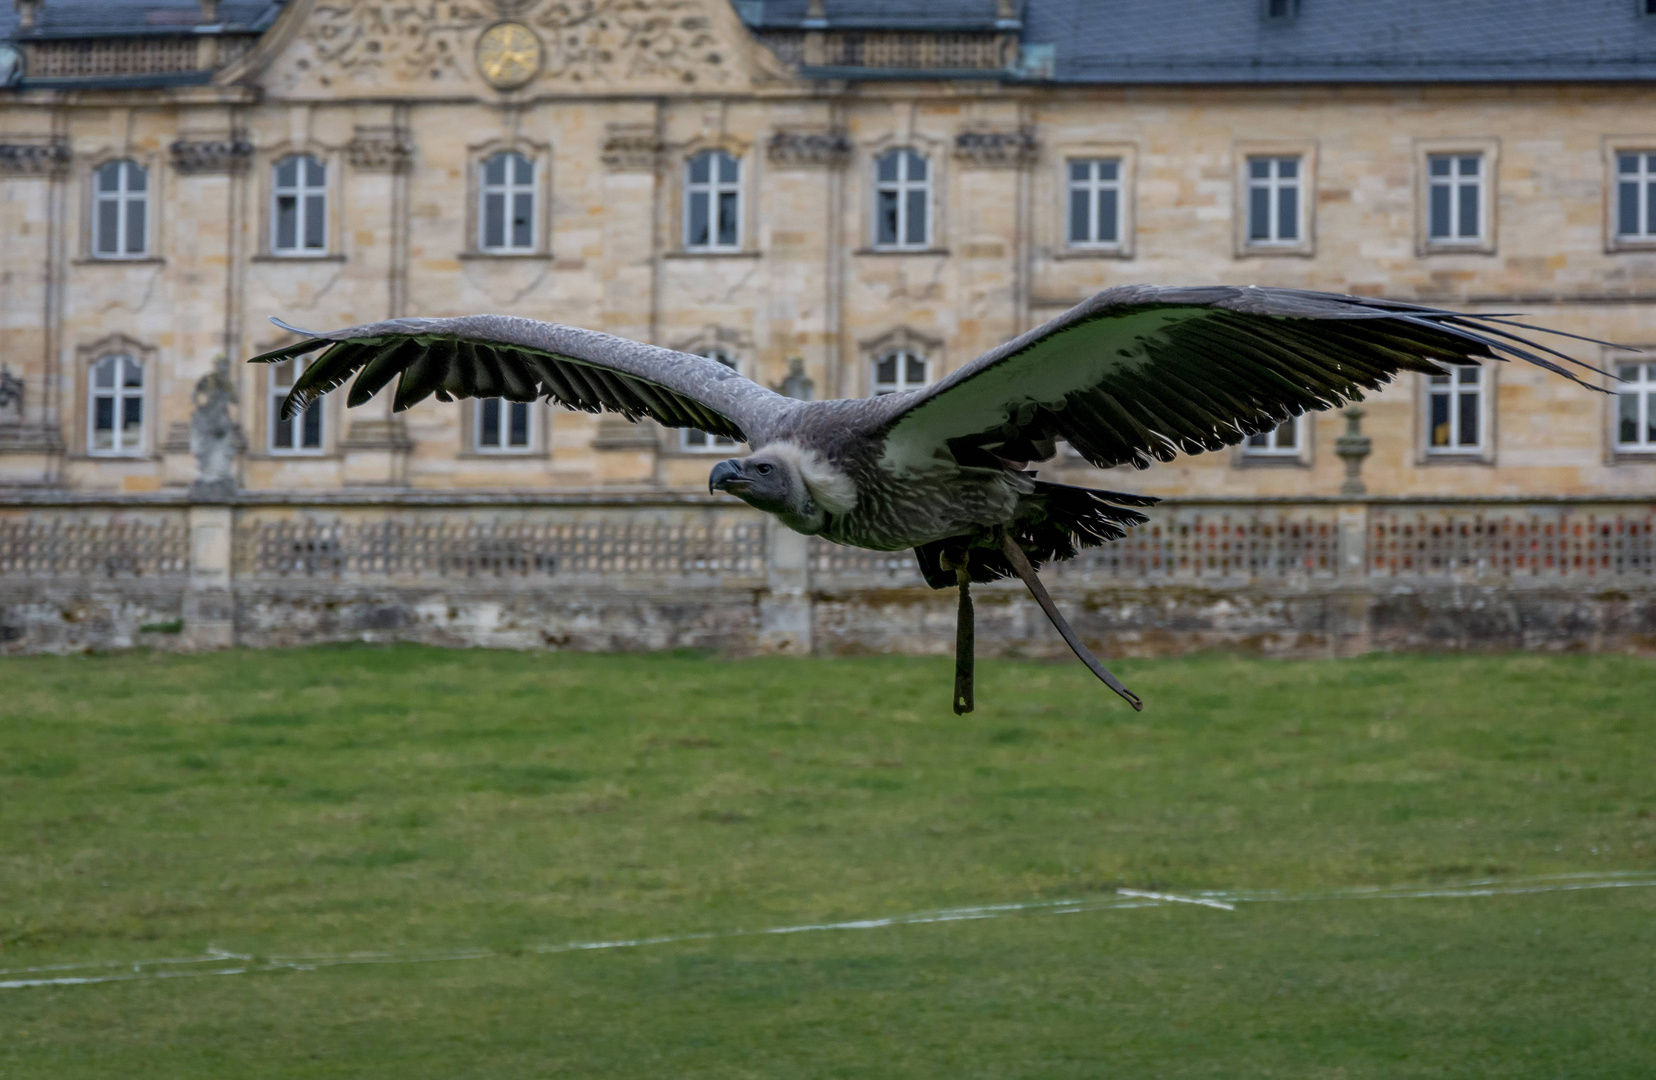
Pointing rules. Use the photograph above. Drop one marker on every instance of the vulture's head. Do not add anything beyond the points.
(795, 485)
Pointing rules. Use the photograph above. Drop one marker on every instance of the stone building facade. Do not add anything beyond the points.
(878, 193)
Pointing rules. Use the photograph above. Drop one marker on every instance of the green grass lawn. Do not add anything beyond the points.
(409, 801)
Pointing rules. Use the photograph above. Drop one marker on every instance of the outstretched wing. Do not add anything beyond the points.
(503, 356)
(1141, 373)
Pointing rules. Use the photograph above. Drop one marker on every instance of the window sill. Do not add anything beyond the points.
(1632, 455)
(119, 260)
(1432, 458)
(300, 455)
(267, 257)
(128, 456)
(1631, 243)
(1272, 461)
(1450, 247)
(1276, 251)
(530, 454)
(900, 251)
(710, 456)
(1093, 253)
(504, 256)
(694, 253)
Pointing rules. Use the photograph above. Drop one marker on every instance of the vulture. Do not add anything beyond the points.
(1136, 374)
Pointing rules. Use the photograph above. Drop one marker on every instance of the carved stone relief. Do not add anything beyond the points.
(380, 149)
(432, 43)
(211, 155)
(799, 149)
(630, 147)
(47, 157)
(996, 149)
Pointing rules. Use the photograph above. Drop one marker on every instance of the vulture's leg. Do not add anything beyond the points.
(965, 643)
(1015, 555)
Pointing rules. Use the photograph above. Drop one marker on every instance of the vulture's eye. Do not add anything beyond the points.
(766, 470)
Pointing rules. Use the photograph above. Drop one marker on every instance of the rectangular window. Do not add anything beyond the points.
(301, 434)
(1095, 202)
(1274, 202)
(501, 426)
(1455, 198)
(1635, 194)
(701, 441)
(299, 206)
(116, 406)
(1636, 407)
(902, 200)
(120, 210)
(1285, 441)
(506, 204)
(712, 202)
(1454, 411)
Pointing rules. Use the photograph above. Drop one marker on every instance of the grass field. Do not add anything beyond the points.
(410, 802)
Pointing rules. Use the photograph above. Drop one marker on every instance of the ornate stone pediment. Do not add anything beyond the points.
(431, 47)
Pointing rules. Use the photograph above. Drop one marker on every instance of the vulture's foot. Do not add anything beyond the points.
(965, 639)
(1015, 555)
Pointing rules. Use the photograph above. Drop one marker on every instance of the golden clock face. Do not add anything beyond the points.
(508, 55)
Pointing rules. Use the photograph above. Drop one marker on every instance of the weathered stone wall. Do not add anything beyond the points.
(1307, 578)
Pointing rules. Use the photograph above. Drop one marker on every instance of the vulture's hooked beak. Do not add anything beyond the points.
(724, 474)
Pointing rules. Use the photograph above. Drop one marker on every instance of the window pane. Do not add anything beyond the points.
(494, 170)
(312, 421)
(1650, 195)
(1467, 375)
(886, 370)
(1259, 442)
(1259, 168)
(523, 223)
(1650, 163)
(886, 167)
(1469, 166)
(109, 176)
(727, 218)
(135, 227)
(1287, 213)
(137, 177)
(287, 222)
(1440, 420)
(1107, 215)
(315, 173)
(1469, 419)
(916, 373)
(1650, 418)
(109, 232)
(103, 372)
(1629, 372)
(316, 220)
(103, 419)
(729, 170)
(1469, 210)
(1285, 435)
(916, 165)
(281, 431)
(523, 169)
(886, 218)
(132, 420)
(1287, 168)
(1440, 211)
(696, 229)
(1080, 170)
(1627, 209)
(1627, 163)
(519, 434)
(1627, 429)
(488, 422)
(1259, 214)
(1107, 169)
(132, 373)
(1080, 220)
(494, 220)
(287, 172)
(916, 224)
(1438, 166)
(701, 169)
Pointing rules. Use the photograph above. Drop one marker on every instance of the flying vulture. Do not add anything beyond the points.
(1136, 374)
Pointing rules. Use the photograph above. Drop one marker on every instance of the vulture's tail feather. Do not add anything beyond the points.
(1054, 522)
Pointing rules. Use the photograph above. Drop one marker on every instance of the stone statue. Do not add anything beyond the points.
(796, 384)
(11, 397)
(214, 437)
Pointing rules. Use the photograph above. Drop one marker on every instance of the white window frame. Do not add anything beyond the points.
(1094, 186)
(1274, 184)
(1266, 447)
(126, 201)
(305, 196)
(1642, 390)
(902, 189)
(692, 441)
(1642, 180)
(1454, 390)
(119, 394)
(901, 381)
(713, 189)
(509, 190)
(503, 426)
(1454, 183)
(295, 425)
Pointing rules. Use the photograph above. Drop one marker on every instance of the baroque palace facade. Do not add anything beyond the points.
(845, 197)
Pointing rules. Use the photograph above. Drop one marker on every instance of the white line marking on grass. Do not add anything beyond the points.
(1121, 900)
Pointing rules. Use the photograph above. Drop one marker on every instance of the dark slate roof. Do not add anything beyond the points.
(132, 18)
(1228, 41)
(935, 15)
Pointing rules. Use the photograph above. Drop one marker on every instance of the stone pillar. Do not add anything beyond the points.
(785, 607)
(209, 605)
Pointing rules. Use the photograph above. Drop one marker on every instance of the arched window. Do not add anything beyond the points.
(500, 426)
(120, 210)
(902, 200)
(301, 434)
(299, 206)
(899, 370)
(701, 441)
(712, 202)
(506, 203)
(115, 406)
